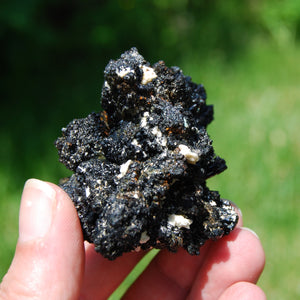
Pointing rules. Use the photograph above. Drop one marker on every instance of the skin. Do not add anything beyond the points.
(53, 262)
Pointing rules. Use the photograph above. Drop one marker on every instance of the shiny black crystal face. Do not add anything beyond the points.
(140, 166)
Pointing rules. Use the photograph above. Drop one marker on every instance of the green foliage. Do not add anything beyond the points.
(282, 19)
(246, 54)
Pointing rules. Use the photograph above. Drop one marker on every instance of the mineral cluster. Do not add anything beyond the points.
(141, 164)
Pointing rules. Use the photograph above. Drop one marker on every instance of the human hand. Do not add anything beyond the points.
(52, 261)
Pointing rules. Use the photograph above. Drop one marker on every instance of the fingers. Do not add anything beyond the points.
(243, 291)
(234, 258)
(169, 276)
(49, 258)
(102, 276)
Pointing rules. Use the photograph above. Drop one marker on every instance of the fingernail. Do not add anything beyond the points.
(37, 209)
(250, 230)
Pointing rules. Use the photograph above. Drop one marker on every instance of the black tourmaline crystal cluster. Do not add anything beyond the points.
(141, 164)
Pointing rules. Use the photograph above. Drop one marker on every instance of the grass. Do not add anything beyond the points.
(256, 100)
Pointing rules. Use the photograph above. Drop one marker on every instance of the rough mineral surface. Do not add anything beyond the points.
(141, 165)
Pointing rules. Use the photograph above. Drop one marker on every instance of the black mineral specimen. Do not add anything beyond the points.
(140, 165)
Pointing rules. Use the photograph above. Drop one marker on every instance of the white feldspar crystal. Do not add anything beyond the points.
(87, 191)
(148, 74)
(123, 71)
(136, 143)
(164, 141)
(83, 170)
(160, 138)
(155, 130)
(124, 168)
(136, 195)
(179, 221)
(144, 119)
(191, 156)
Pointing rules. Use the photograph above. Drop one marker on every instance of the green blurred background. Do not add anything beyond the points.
(247, 55)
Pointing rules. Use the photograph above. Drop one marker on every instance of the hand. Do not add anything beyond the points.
(52, 261)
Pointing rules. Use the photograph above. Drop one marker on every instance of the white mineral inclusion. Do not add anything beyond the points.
(83, 170)
(87, 191)
(123, 71)
(212, 203)
(148, 74)
(124, 168)
(162, 140)
(136, 143)
(191, 157)
(179, 221)
(144, 119)
(155, 130)
(144, 237)
(136, 195)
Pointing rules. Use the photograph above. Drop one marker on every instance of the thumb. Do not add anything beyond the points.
(49, 257)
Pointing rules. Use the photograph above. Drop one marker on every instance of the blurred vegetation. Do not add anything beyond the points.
(247, 55)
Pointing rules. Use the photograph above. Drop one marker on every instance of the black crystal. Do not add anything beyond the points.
(141, 164)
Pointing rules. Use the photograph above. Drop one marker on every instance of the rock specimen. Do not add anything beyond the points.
(140, 166)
